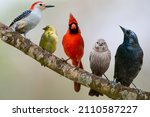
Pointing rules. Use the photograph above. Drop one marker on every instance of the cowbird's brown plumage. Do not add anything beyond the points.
(100, 57)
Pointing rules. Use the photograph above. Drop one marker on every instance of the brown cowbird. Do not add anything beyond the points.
(128, 59)
(100, 57)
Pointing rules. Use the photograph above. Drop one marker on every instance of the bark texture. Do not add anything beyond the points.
(75, 74)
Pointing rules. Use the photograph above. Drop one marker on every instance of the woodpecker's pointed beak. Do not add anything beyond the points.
(48, 6)
(123, 29)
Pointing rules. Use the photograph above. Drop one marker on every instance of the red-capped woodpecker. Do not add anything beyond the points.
(29, 18)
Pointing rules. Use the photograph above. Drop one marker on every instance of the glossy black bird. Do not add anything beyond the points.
(128, 59)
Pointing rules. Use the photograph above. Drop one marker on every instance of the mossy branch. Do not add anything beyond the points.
(58, 65)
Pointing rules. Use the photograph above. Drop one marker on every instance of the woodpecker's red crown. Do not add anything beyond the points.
(35, 3)
(41, 5)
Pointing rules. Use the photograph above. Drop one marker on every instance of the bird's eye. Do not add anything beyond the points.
(40, 4)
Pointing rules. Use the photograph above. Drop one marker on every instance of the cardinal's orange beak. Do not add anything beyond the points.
(73, 26)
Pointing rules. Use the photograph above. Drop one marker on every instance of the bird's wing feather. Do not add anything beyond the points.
(141, 54)
(117, 62)
(90, 57)
(42, 41)
(23, 15)
(21, 25)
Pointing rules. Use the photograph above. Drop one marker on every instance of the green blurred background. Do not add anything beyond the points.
(21, 77)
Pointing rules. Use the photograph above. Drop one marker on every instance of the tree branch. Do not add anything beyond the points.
(81, 76)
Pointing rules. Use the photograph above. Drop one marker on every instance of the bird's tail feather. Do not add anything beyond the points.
(77, 86)
(94, 93)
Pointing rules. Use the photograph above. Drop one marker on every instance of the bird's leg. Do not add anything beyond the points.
(78, 66)
(107, 78)
(139, 90)
(113, 83)
(65, 60)
(134, 85)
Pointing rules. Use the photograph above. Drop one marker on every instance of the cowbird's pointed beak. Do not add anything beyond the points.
(123, 29)
(48, 6)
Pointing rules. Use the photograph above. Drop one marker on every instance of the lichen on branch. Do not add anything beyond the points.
(65, 69)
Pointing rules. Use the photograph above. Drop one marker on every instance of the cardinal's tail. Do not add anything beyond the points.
(77, 86)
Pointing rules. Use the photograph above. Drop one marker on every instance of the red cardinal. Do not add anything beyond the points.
(74, 46)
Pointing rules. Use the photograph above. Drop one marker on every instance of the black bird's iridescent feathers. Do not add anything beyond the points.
(128, 59)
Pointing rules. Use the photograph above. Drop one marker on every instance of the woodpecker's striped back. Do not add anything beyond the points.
(23, 15)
